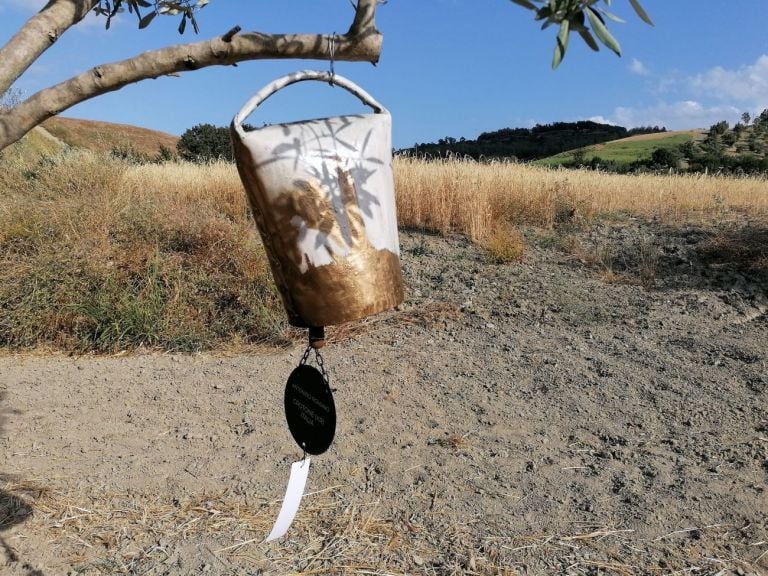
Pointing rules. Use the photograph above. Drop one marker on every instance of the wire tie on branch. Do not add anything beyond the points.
(332, 52)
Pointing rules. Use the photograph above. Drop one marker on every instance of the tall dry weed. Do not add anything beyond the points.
(97, 254)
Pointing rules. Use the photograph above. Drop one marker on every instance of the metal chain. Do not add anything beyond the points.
(318, 360)
(321, 366)
(306, 356)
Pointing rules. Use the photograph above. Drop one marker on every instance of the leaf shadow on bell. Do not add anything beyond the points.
(364, 164)
(338, 216)
(15, 509)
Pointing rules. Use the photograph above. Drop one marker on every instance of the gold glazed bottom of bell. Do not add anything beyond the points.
(365, 283)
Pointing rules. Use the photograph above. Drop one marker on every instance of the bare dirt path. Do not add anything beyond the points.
(517, 419)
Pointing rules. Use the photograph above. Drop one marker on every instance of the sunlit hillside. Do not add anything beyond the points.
(108, 136)
(626, 150)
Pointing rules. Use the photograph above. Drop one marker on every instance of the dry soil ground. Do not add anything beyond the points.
(548, 417)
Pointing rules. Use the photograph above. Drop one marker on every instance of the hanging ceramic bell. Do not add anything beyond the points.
(322, 195)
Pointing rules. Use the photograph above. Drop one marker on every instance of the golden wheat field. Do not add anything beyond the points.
(471, 198)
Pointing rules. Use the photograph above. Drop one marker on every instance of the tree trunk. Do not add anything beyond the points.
(37, 35)
(361, 43)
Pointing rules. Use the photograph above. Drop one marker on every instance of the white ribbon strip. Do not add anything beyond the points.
(292, 500)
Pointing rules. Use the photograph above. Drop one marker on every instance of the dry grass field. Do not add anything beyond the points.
(490, 203)
(99, 254)
(526, 418)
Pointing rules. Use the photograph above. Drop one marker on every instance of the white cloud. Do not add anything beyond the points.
(697, 100)
(637, 67)
(601, 120)
(747, 84)
(681, 115)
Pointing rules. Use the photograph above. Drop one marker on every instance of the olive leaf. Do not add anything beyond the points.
(525, 4)
(641, 12)
(586, 35)
(562, 43)
(147, 20)
(572, 16)
(601, 31)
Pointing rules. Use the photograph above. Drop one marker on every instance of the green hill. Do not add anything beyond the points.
(541, 141)
(626, 150)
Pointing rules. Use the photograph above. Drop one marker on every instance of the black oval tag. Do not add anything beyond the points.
(309, 410)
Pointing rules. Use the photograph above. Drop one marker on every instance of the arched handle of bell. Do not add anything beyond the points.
(322, 76)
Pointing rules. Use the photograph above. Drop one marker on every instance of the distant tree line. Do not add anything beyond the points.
(541, 141)
(206, 142)
(740, 149)
(645, 130)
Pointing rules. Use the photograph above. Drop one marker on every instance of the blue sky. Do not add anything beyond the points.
(448, 68)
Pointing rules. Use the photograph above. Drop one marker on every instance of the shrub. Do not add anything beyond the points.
(129, 154)
(165, 154)
(666, 157)
(206, 143)
(504, 244)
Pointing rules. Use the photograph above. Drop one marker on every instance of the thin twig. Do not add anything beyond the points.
(687, 530)
(595, 534)
(238, 545)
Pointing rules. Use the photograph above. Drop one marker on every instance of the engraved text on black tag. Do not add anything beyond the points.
(309, 410)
